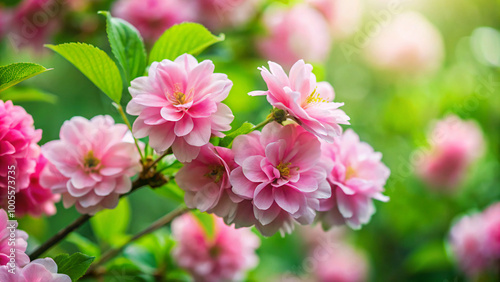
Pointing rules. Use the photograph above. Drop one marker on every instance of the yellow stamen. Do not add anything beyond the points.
(216, 173)
(284, 169)
(90, 161)
(314, 97)
(350, 173)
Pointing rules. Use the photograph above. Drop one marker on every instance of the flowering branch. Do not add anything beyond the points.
(140, 182)
(153, 227)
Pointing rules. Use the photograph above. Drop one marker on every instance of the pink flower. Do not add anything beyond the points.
(21, 258)
(39, 270)
(179, 105)
(33, 22)
(91, 164)
(358, 176)
(342, 263)
(225, 256)
(219, 14)
(280, 173)
(344, 17)
(153, 17)
(36, 200)
(409, 44)
(455, 145)
(18, 148)
(467, 243)
(292, 34)
(491, 217)
(304, 100)
(206, 181)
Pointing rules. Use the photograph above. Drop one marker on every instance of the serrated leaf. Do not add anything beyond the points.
(14, 73)
(95, 64)
(27, 94)
(110, 225)
(127, 46)
(245, 128)
(84, 244)
(190, 38)
(207, 221)
(74, 266)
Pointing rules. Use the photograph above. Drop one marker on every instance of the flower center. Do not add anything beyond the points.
(284, 169)
(350, 173)
(314, 98)
(90, 162)
(178, 97)
(216, 172)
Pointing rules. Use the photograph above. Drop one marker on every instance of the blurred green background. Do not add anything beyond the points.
(405, 240)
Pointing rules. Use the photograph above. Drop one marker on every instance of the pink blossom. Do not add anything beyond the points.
(206, 181)
(18, 146)
(455, 145)
(153, 17)
(344, 17)
(39, 270)
(292, 34)
(179, 105)
(20, 243)
(467, 241)
(225, 256)
(33, 22)
(279, 172)
(307, 102)
(491, 217)
(36, 200)
(409, 44)
(91, 164)
(342, 263)
(219, 14)
(358, 176)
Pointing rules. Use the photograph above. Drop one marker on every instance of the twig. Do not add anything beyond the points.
(153, 227)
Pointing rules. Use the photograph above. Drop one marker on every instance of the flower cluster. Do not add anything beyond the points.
(475, 241)
(20, 153)
(21, 259)
(39, 270)
(282, 175)
(91, 164)
(223, 256)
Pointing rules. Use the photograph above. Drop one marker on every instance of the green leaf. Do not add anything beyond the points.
(14, 73)
(27, 94)
(84, 244)
(127, 46)
(191, 38)
(95, 64)
(74, 266)
(171, 191)
(110, 225)
(244, 129)
(207, 222)
(428, 257)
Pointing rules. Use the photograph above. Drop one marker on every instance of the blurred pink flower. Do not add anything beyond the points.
(344, 17)
(33, 22)
(409, 44)
(225, 256)
(36, 200)
(491, 217)
(358, 176)
(153, 17)
(206, 181)
(219, 14)
(455, 145)
(292, 34)
(39, 270)
(21, 258)
(91, 164)
(18, 146)
(179, 105)
(341, 264)
(279, 172)
(467, 239)
(307, 102)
